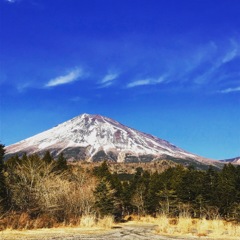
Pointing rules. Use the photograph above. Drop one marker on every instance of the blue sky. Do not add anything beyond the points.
(166, 67)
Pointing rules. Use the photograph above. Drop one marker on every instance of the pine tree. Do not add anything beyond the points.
(24, 158)
(12, 162)
(2, 153)
(137, 179)
(61, 164)
(47, 158)
(152, 198)
(105, 201)
(102, 171)
(138, 199)
(3, 189)
(167, 199)
(226, 191)
(126, 197)
(209, 186)
(139, 188)
(191, 186)
(112, 182)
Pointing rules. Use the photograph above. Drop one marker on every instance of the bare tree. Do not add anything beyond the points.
(138, 199)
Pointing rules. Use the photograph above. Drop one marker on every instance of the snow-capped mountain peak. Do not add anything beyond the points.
(94, 137)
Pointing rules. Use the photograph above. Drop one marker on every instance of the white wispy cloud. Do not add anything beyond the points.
(217, 62)
(232, 53)
(147, 81)
(109, 79)
(139, 83)
(204, 65)
(11, 1)
(21, 87)
(72, 76)
(229, 90)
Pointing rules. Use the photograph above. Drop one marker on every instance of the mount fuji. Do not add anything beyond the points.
(94, 138)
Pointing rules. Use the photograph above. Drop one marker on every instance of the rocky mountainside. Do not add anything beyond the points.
(94, 138)
(232, 160)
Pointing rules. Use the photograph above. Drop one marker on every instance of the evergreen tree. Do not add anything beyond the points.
(191, 186)
(139, 189)
(209, 186)
(2, 153)
(47, 158)
(3, 189)
(116, 184)
(102, 171)
(138, 199)
(105, 201)
(12, 162)
(168, 184)
(167, 199)
(126, 198)
(137, 179)
(24, 158)
(61, 164)
(152, 198)
(226, 191)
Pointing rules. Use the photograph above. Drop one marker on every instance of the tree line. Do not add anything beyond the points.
(43, 186)
(176, 191)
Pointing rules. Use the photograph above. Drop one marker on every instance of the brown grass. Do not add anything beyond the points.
(39, 192)
(106, 222)
(189, 227)
(49, 233)
(88, 221)
(18, 227)
(23, 221)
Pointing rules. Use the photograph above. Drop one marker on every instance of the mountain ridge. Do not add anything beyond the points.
(235, 160)
(92, 137)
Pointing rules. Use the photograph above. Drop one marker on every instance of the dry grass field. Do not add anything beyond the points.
(146, 227)
(87, 225)
(186, 226)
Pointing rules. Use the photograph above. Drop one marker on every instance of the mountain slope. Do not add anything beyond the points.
(232, 160)
(94, 137)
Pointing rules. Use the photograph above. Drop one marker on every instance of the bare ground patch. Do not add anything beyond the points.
(126, 231)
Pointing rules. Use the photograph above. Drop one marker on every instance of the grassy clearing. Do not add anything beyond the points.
(87, 224)
(106, 222)
(46, 233)
(90, 221)
(24, 222)
(186, 226)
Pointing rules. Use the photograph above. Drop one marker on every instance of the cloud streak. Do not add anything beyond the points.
(205, 67)
(72, 76)
(218, 62)
(147, 81)
(229, 90)
(109, 79)
(11, 1)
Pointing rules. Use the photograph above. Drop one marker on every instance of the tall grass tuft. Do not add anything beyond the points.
(88, 221)
(106, 222)
(197, 227)
(184, 225)
(163, 223)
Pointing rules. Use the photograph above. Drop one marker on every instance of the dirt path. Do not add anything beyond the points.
(123, 232)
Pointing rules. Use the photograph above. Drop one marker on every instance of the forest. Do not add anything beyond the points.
(39, 187)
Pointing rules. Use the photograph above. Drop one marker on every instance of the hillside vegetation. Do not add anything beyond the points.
(41, 192)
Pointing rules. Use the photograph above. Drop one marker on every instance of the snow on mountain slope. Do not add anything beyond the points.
(93, 137)
(232, 160)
